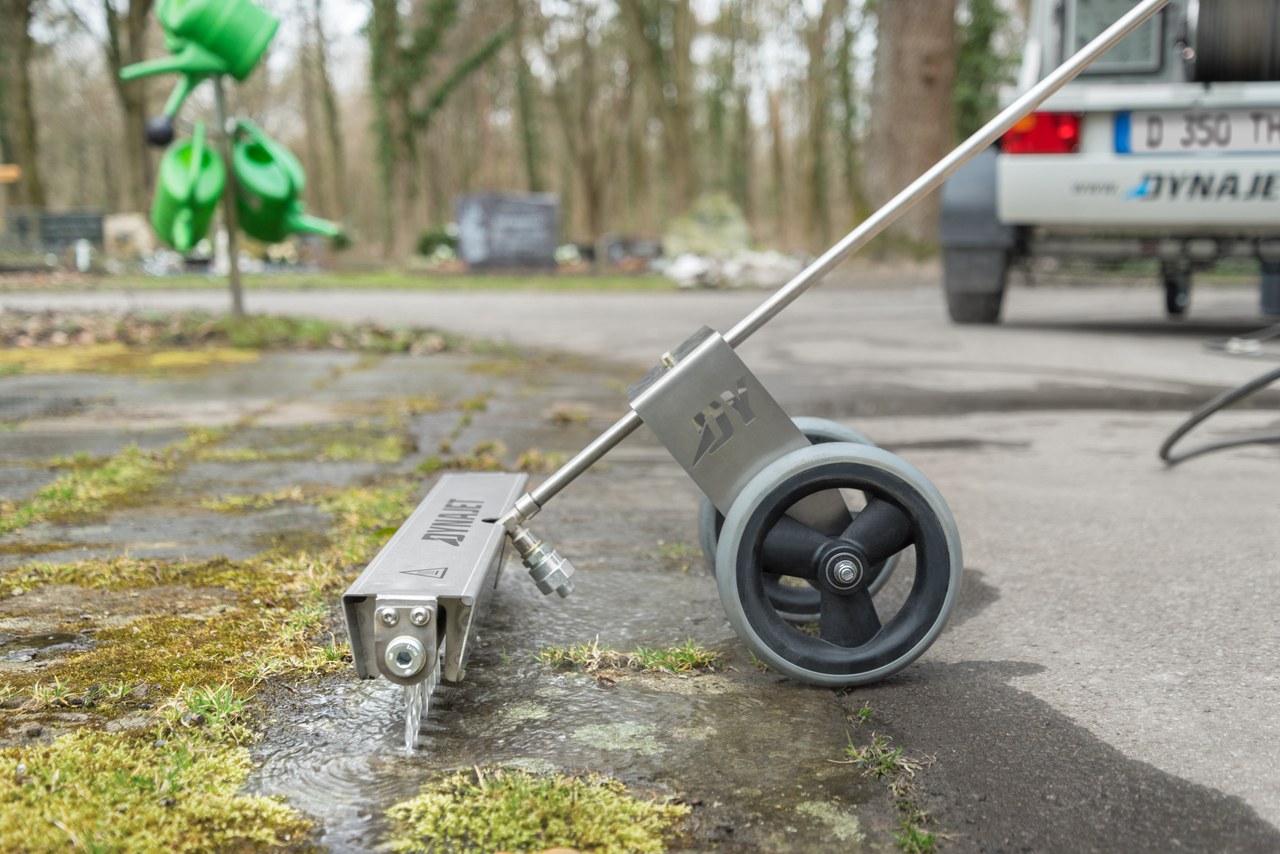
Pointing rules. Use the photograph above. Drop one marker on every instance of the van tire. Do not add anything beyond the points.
(974, 280)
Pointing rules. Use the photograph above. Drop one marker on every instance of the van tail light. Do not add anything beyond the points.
(1043, 133)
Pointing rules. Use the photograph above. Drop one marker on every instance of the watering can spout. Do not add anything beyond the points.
(192, 60)
(300, 223)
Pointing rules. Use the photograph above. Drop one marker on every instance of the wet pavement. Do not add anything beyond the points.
(1107, 682)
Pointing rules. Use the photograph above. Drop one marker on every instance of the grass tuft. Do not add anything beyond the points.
(882, 760)
(485, 456)
(680, 557)
(688, 657)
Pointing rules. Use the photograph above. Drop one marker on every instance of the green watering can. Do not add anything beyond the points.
(269, 181)
(188, 186)
(205, 37)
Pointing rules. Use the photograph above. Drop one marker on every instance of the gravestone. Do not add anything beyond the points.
(60, 230)
(496, 230)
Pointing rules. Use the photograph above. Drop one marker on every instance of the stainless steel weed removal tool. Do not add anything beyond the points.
(804, 519)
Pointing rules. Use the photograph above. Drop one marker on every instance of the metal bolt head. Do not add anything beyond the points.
(388, 616)
(405, 656)
(420, 616)
(846, 572)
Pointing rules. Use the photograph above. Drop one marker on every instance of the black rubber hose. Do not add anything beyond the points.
(1237, 40)
(1218, 403)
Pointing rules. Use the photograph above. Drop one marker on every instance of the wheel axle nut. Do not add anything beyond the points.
(388, 616)
(846, 572)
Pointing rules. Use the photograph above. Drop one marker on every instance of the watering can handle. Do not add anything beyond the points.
(197, 159)
(256, 134)
(186, 83)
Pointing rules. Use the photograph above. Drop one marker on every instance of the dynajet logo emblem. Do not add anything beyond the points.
(713, 423)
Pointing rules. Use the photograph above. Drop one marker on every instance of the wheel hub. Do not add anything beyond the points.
(843, 570)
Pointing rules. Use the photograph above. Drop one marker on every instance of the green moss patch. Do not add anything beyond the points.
(197, 330)
(279, 626)
(116, 358)
(509, 810)
(88, 489)
(171, 789)
(92, 485)
(123, 573)
(171, 652)
(359, 442)
(254, 501)
(485, 456)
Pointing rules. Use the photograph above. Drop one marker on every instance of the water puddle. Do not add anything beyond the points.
(24, 648)
(758, 754)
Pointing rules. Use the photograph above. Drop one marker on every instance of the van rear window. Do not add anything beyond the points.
(1140, 51)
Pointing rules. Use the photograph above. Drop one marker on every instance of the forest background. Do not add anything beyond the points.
(806, 114)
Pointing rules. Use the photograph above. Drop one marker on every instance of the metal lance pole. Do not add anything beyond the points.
(228, 198)
(860, 236)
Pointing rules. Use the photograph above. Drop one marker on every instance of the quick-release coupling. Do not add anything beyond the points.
(548, 568)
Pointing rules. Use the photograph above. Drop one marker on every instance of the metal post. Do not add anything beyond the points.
(870, 227)
(228, 199)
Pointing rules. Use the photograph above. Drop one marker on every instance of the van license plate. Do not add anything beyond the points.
(1191, 131)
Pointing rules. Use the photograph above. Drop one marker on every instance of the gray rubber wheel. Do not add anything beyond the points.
(859, 637)
(798, 604)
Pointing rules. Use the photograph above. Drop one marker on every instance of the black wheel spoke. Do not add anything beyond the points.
(880, 531)
(848, 620)
(789, 549)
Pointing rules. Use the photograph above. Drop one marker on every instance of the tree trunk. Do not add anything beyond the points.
(575, 97)
(848, 135)
(778, 164)
(740, 149)
(663, 37)
(126, 44)
(911, 109)
(337, 172)
(400, 73)
(526, 107)
(20, 111)
(818, 214)
(396, 150)
(310, 120)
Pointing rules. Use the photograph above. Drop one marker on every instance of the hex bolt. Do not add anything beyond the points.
(405, 656)
(420, 616)
(388, 616)
(846, 572)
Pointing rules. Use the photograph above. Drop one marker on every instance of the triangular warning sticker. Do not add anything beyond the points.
(438, 572)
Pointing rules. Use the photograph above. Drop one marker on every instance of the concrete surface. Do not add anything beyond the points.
(1111, 677)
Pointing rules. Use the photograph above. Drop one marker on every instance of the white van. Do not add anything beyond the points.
(1167, 147)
